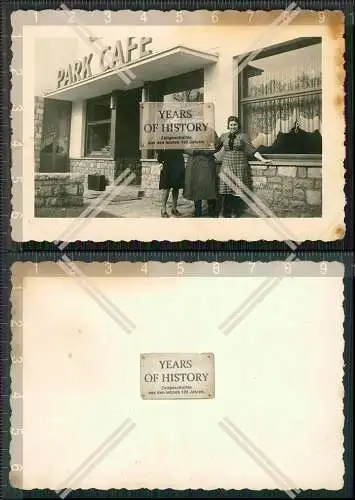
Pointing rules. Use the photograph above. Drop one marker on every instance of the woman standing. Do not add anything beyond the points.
(237, 150)
(172, 176)
(201, 178)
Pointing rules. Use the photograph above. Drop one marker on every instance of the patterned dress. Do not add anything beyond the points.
(235, 161)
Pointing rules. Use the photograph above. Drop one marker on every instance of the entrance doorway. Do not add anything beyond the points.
(128, 153)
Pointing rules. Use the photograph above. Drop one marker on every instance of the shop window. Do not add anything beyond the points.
(98, 127)
(281, 97)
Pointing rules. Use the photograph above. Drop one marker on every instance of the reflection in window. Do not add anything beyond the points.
(55, 132)
(192, 95)
(98, 127)
(281, 94)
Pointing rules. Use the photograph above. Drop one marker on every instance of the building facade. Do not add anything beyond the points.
(88, 123)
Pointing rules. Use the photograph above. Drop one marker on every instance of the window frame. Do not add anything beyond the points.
(180, 83)
(279, 48)
(112, 124)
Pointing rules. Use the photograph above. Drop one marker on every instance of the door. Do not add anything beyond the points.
(55, 140)
(127, 133)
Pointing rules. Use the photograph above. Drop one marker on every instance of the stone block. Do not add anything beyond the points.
(279, 211)
(298, 194)
(259, 181)
(287, 188)
(258, 168)
(287, 171)
(303, 183)
(266, 195)
(145, 182)
(301, 172)
(280, 201)
(277, 195)
(44, 190)
(70, 189)
(155, 170)
(296, 203)
(315, 172)
(270, 171)
(53, 201)
(318, 184)
(274, 180)
(72, 201)
(313, 197)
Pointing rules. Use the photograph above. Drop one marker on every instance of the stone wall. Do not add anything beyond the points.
(86, 166)
(59, 190)
(38, 116)
(150, 179)
(289, 190)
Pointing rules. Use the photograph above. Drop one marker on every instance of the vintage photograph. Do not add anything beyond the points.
(273, 154)
(87, 129)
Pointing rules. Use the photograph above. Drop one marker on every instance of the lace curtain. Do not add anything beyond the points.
(266, 119)
(279, 90)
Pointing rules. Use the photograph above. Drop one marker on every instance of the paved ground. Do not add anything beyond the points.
(127, 204)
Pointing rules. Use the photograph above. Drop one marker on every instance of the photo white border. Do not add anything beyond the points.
(329, 227)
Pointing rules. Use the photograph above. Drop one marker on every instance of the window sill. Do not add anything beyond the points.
(291, 160)
(94, 158)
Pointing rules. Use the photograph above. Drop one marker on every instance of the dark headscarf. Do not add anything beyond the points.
(232, 135)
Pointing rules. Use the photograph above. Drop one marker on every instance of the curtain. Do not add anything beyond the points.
(265, 119)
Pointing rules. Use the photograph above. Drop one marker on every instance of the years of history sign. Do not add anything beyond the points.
(177, 125)
(177, 376)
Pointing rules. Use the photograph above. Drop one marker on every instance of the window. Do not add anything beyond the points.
(281, 98)
(187, 87)
(193, 95)
(98, 127)
(54, 150)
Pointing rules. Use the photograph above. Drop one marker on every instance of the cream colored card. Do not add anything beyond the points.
(67, 64)
(276, 334)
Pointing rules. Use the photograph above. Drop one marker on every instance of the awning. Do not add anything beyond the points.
(157, 66)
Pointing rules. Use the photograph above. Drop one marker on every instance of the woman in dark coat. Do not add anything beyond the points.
(201, 179)
(237, 151)
(172, 176)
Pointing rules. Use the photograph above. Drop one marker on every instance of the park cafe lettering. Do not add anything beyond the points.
(110, 57)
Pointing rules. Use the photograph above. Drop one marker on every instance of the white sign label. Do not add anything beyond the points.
(177, 376)
(177, 125)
